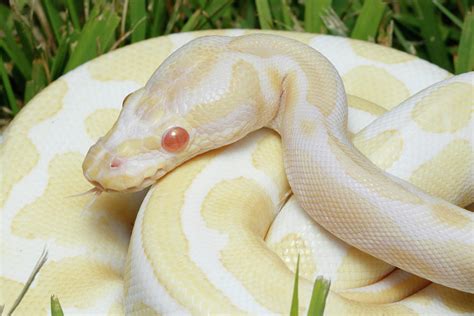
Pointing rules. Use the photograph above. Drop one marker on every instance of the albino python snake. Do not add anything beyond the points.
(220, 233)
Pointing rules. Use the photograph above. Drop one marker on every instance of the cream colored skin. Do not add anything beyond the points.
(265, 80)
(212, 219)
(88, 243)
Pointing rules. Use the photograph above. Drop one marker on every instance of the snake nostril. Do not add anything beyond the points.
(115, 163)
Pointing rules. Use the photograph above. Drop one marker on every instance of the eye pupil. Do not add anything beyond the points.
(175, 139)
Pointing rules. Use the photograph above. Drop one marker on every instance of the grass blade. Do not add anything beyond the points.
(212, 12)
(73, 14)
(408, 21)
(174, 17)
(431, 33)
(193, 21)
(8, 88)
(276, 10)
(407, 46)
(38, 80)
(465, 59)
(60, 58)
(106, 28)
(448, 14)
(98, 33)
(226, 17)
(4, 16)
(26, 38)
(334, 24)
(264, 14)
(16, 54)
(47, 38)
(463, 6)
(137, 13)
(313, 13)
(39, 264)
(158, 17)
(368, 21)
(295, 301)
(56, 309)
(247, 13)
(318, 297)
(286, 15)
(54, 19)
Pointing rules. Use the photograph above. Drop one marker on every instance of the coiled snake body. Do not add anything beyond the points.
(197, 245)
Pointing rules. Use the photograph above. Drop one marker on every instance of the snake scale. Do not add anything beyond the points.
(214, 235)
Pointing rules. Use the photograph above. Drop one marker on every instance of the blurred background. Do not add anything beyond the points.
(42, 39)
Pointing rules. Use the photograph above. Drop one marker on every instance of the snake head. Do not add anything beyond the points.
(193, 103)
(143, 145)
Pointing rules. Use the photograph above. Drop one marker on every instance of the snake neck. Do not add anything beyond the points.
(298, 79)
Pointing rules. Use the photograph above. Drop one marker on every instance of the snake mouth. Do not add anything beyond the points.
(148, 181)
(98, 186)
(145, 183)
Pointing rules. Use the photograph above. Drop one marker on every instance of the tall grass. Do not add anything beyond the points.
(42, 39)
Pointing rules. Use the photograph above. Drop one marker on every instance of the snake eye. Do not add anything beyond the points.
(175, 139)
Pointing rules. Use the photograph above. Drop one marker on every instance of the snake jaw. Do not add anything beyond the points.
(108, 172)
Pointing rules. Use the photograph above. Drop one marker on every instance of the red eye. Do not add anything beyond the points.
(175, 139)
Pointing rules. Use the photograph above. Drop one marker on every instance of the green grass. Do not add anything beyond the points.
(318, 296)
(41, 40)
(295, 299)
(367, 24)
(56, 309)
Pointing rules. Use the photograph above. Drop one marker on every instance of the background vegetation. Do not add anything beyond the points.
(42, 39)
